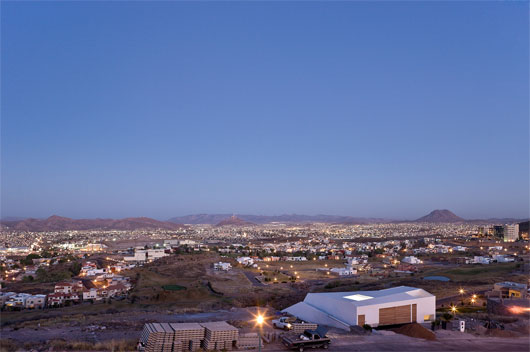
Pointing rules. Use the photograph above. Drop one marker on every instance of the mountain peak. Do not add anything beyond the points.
(234, 221)
(440, 215)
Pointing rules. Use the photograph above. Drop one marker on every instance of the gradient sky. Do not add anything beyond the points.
(115, 109)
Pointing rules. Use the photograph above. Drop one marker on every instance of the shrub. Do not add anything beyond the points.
(367, 327)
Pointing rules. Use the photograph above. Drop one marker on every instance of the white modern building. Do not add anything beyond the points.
(481, 260)
(245, 261)
(222, 266)
(397, 305)
(511, 233)
(411, 260)
(143, 255)
(348, 271)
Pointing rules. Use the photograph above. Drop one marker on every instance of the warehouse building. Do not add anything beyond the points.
(390, 306)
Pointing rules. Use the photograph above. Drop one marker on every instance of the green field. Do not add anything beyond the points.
(173, 287)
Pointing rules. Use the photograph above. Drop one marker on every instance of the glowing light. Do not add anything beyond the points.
(453, 309)
(461, 291)
(518, 309)
(260, 319)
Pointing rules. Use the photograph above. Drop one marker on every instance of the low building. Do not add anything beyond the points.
(501, 258)
(18, 300)
(411, 260)
(245, 261)
(146, 255)
(343, 271)
(481, 260)
(342, 310)
(36, 302)
(222, 266)
(4, 297)
(508, 290)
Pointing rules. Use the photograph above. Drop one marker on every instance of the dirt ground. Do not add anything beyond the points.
(127, 326)
(446, 341)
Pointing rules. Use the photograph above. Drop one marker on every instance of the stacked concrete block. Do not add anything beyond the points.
(158, 337)
(189, 335)
(248, 341)
(219, 335)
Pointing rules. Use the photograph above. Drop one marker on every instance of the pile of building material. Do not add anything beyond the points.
(171, 337)
(300, 327)
(158, 337)
(189, 335)
(248, 341)
(219, 335)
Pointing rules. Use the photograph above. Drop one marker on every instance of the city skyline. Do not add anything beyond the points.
(357, 109)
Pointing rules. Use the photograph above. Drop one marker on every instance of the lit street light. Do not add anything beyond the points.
(259, 321)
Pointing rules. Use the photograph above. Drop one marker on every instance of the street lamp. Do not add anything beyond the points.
(259, 321)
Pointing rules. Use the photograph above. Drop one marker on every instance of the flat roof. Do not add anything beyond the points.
(364, 298)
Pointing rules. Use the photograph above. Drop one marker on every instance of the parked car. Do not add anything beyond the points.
(309, 339)
(283, 323)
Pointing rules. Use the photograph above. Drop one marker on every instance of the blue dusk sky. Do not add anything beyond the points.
(159, 109)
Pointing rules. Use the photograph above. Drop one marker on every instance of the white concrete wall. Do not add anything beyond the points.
(425, 306)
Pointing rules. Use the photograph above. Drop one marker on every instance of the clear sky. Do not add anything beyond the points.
(387, 109)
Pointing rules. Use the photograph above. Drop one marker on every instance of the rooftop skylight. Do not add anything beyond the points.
(358, 297)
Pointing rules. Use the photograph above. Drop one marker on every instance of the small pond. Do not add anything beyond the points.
(437, 278)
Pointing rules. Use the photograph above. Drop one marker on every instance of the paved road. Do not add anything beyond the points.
(252, 278)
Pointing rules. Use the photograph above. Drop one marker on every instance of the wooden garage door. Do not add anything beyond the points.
(414, 312)
(361, 319)
(394, 315)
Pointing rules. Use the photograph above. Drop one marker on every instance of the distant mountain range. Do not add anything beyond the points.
(436, 216)
(59, 223)
(234, 221)
(265, 219)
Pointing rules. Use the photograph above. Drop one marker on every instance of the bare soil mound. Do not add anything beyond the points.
(415, 330)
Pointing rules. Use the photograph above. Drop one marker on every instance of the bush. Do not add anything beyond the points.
(28, 278)
(367, 327)
(447, 316)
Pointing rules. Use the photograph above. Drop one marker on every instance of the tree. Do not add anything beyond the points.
(29, 259)
(75, 268)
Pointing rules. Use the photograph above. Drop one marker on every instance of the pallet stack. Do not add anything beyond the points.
(248, 341)
(158, 337)
(219, 335)
(189, 335)
(301, 327)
